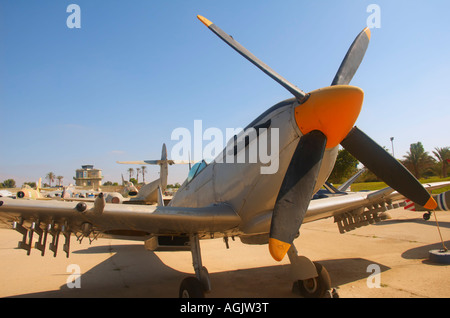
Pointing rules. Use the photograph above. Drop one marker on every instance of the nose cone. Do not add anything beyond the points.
(332, 110)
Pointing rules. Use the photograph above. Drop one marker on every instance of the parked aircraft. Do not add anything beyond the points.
(329, 190)
(442, 199)
(6, 193)
(30, 193)
(149, 193)
(226, 200)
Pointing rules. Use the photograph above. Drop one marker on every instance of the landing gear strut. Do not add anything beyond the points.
(311, 279)
(196, 287)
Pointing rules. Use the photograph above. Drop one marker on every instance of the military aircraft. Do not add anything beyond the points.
(71, 193)
(30, 193)
(442, 199)
(223, 199)
(6, 193)
(329, 190)
(149, 193)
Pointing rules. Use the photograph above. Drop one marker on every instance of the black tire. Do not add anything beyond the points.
(426, 216)
(316, 287)
(191, 288)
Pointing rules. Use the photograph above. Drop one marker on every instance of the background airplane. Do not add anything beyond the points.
(30, 193)
(6, 193)
(442, 199)
(234, 199)
(149, 193)
(329, 190)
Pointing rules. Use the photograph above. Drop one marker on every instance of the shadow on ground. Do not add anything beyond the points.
(132, 271)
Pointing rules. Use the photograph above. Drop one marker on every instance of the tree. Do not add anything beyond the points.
(50, 177)
(443, 156)
(138, 170)
(60, 180)
(417, 160)
(344, 167)
(143, 171)
(9, 183)
(131, 172)
(31, 184)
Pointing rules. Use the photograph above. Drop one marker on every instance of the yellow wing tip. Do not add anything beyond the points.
(278, 249)
(368, 33)
(431, 204)
(204, 20)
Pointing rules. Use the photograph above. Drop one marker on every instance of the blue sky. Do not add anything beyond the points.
(116, 88)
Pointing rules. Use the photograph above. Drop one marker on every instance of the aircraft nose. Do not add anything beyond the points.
(332, 110)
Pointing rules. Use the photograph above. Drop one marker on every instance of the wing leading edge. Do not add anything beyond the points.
(115, 218)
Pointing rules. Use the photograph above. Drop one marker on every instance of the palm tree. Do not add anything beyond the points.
(138, 170)
(443, 156)
(417, 159)
(50, 177)
(59, 180)
(131, 172)
(143, 171)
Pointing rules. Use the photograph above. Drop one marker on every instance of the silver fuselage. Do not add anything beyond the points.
(242, 185)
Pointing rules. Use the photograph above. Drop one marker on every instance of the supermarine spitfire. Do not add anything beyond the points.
(236, 200)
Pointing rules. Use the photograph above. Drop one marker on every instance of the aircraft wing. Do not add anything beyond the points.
(139, 162)
(117, 219)
(156, 162)
(360, 208)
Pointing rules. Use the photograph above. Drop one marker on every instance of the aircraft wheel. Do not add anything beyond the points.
(191, 288)
(426, 216)
(316, 287)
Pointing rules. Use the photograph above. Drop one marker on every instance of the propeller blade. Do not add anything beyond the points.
(296, 192)
(294, 90)
(352, 59)
(386, 167)
(324, 120)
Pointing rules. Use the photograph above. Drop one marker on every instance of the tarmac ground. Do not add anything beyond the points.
(385, 260)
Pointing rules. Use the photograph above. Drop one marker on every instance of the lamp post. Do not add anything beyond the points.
(392, 143)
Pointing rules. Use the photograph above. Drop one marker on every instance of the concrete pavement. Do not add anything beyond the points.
(113, 268)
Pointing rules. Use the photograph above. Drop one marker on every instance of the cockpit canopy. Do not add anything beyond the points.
(195, 170)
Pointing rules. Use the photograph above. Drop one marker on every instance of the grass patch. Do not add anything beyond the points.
(371, 186)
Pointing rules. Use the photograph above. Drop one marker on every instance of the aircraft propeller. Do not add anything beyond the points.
(328, 116)
(367, 151)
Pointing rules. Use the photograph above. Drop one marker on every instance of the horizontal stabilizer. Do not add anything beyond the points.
(156, 162)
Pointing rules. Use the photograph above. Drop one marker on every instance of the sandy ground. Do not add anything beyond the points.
(115, 268)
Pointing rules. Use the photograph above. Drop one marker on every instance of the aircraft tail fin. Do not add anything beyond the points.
(163, 163)
(352, 179)
(164, 168)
